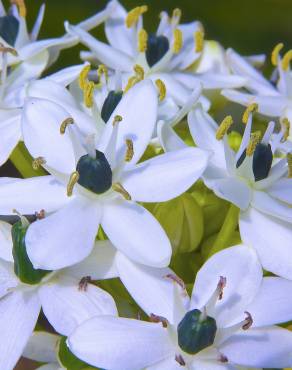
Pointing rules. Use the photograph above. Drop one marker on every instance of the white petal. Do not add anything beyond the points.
(10, 132)
(167, 364)
(203, 130)
(281, 190)
(263, 202)
(268, 347)
(158, 293)
(165, 176)
(174, 88)
(271, 238)
(42, 347)
(37, 25)
(66, 75)
(66, 306)
(65, 237)
(54, 366)
(168, 139)
(8, 278)
(137, 124)
(19, 312)
(40, 133)
(133, 230)
(31, 195)
(136, 343)
(5, 241)
(232, 263)
(99, 265)
(272, 305)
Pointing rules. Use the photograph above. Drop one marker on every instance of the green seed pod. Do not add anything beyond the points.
(23, 267)
(110, 104)
(95, 174)
(182, 220)
(196, 332)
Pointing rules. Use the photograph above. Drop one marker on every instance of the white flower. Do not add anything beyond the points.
(228, 289)
(163, 56)
(65, 299)
(256, 183)
(128, 225)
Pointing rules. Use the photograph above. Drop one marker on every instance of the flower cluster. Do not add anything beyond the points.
(143, 233)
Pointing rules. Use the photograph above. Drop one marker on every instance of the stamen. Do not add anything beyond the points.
(248, 321)
(177, 280)
(139, 72)
(40, 215)
(222, 358)
(139, 76)
(286, 60)
(89, 94)
(224, 127)
(250, 109)
(130, 150)
(68, 121)
(21, 7)
(180, 360)
(83, 77)
(38, 162)
(23, 219)
(131, 82)
(83, 283)
(161, 88)
(102, 70)
(4, 49)
(157, 319)
(72, 182)
(286, 129)
(142, 40)
(134, 14)
(216, 296)
(117, 119)
(275, 53)
(289, 161)
(118, 187)
(178, 40)
(176, 15)
(255, 139)
(199, 40)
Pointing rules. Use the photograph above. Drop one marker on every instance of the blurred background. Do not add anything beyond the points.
(249, 26)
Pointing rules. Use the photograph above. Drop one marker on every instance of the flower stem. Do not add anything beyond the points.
(22, 161)
(225, 234)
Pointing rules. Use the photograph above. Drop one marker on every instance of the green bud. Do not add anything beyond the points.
(23, 267)
(182, 220)
(196, 332)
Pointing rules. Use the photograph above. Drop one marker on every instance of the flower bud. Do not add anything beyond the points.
(182, 220)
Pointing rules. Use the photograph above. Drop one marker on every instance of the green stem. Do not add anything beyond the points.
(22, 161)
(225, 234)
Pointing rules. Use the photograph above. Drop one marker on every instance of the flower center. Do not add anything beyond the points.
(95, 174)
(196, 331)
(157, 47)
(110, 104)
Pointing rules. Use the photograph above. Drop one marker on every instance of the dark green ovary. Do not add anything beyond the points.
(157, 47)
(9, 27)
(23, 267)
(195, 333)
(110, 104)
(95, 174)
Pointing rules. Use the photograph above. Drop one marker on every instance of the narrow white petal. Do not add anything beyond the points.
(5, 241)
(10, 132)
(281, 190)
(8, 278)
(169, 140)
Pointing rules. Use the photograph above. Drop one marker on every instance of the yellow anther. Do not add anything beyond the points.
(130, 150)
(275, 53)
(131, 82)
(72, 182)
(286, 128)
(4, 49)
(117, 119)
(65, 123)
(286, 60)
(83, 77)
(142, 40)
(139, 72)
(161, 88)
(102, 70)
(255, 139)
(89, 94)
(21, 7)
(177, 40)
(134, 14)
(176, 15)
(250, 109)
(118, 187)
(199, 40)
(224, 127)
(289, 161)
(38, 162)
